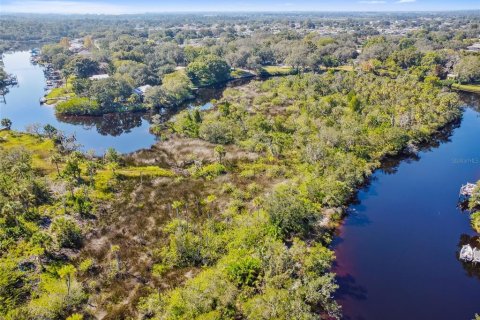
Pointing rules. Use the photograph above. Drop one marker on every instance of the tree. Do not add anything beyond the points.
(72, 166)
(109, 92)
(156, 97)
(67, 272)
(219, 132)
(178, 86)
(112, 158)
(468, 69)
(64, 42)
(50, 131)
(6, 123)
(208, 69)
(82, 67)
(220, 152)
(111, 155)
(56, 159)
(289, 212)
(88, 42)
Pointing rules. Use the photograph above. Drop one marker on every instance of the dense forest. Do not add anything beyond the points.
(172, 56)
(230, 215)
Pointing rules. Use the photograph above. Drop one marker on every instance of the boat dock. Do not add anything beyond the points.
(467, 190)
(469, 254)
(11, 80)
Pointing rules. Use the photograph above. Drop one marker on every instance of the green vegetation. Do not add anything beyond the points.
(299, 126)
(3, 77)
(474, 206)
(61, 93)
(473, 88)
(175, 89)
(231, 214)
(48, 198)
(207, 70)
(277, 71)
(78, 106)
(468, 69)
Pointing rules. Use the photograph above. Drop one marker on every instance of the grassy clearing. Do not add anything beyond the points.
(150, 171)
(40, 148)
(61, 93)
(473, 88)
(239, 74)
(343, 68)
(279, 70)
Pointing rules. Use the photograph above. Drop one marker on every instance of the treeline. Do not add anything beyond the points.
(135, 58)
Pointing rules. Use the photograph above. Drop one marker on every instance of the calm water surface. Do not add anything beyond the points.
(125, 132)
(397, 251)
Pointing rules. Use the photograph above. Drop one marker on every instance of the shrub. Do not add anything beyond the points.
(289, 212)
(475, 221)
(217, 132)
(244, 271)
(210, 171)
(67, 233)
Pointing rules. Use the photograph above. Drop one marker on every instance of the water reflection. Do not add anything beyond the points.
(113, 124)
(390, 165)
(126, 132)
(116, 124)
(349, 287)
(473, 270)
(395, 250)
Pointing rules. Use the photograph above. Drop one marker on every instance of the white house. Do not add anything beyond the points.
(141, 90)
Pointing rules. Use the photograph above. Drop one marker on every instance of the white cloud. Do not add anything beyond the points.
(406, 1)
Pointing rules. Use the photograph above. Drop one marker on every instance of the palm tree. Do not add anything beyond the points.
(56, 159)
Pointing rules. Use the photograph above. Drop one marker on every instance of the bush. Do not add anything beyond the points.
(289, 212)
(217, 132)
(244, 271)
(55, 300)
(6, 123)
(210, 171)
(67, 233)
(188, 123)
(475, 221)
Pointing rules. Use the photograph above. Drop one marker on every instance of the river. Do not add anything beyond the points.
(126, 132)
(397, 249)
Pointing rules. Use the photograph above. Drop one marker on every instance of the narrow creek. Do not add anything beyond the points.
(397, 251)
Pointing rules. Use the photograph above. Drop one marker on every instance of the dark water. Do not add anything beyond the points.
(397, 251)
(125, 132)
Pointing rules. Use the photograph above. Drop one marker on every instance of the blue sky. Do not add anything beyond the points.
(142, 6)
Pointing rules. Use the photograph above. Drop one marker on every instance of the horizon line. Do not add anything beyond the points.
(3, 13)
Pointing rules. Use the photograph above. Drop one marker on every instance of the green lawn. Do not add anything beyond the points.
(239, 74)
(279, 70)
(61, 93)
(474, 88)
